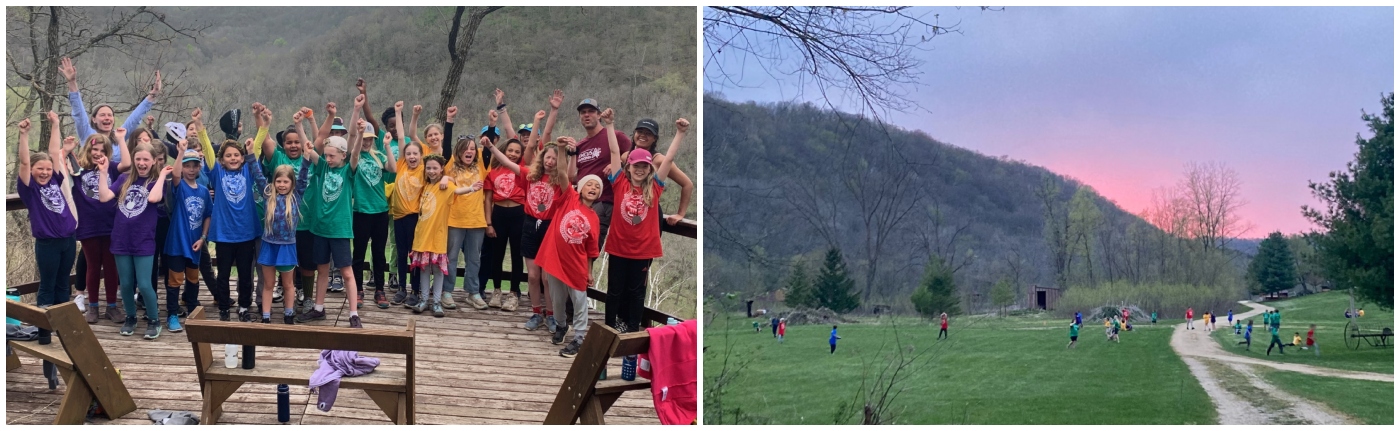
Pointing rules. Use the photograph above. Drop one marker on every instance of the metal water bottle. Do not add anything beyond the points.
(247, 357)
(284, 408)
(230, 356)
(629, 367)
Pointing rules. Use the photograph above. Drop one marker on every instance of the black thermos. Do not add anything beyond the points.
(247, 357)
(284, 408)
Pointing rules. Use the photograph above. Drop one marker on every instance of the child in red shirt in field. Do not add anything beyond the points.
(1311, 343)
(942, 326)
(782, 329)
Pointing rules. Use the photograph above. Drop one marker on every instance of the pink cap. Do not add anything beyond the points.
(639, 156)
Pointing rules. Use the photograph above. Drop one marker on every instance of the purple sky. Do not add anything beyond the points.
(1123, 98)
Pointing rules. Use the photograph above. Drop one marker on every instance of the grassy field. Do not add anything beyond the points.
(1325, 310)
(1372, 403)
(1012, 370)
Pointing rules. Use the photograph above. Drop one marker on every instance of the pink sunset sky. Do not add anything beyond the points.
(1123, 99)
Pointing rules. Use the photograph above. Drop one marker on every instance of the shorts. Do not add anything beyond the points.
(335, 251)
(179, 263)
(278, 255)
(532, 235)
(1074, 338)
(305, 258)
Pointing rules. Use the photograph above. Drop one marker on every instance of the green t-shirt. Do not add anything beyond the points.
(368, 184)
(1073, 330)
(280, 158)
(1117, 325)
(326, 205)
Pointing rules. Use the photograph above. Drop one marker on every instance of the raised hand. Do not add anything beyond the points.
(417, 109)
(500, 97)
(451, 113)
(296, 118)
(307, 112)
(53, 117)
(167, 170)
(155, 88)
(484, 143)
(24, 126)
(359, 101)
(360, 85)
(69, 143)
(121, 133)
(569, 143)
(151, 122)
(66, 68)
(330, 108)
(539, 116)
(180, 148)
(194, 116)
(607, 117)
(388, 137)
(493, 115)
(398, 106)
(556, 99)
(682, 125)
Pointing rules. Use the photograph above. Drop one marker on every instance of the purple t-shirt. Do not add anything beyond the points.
(94, 216)
(594, 156)
(49, 214)
(134, 227)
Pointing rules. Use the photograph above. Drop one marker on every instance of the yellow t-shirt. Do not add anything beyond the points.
(430, 236)
(468, 210)
(406, 190)
(1297, 340)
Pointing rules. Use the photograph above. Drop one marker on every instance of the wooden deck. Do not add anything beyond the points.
(474, 367)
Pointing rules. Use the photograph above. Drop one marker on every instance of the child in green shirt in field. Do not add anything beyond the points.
(1237, 327)
(1273, 331)
(1073, 335)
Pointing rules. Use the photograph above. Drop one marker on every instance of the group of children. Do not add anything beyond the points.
(1272, 319)
(292, 203)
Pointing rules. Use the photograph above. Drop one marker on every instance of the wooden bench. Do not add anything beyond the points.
(584, 399)
(79, 358)
(391, 389)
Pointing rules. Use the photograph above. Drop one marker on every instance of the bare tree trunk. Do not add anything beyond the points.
(48, 84)
(459, 44)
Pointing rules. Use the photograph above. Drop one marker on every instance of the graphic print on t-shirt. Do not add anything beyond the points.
(53, 197)
(90, 183)
(235, 186)
(135, 202)
(427, 205)
(194, 211)
(589, 155)
(574, 227)
(370, 169)
(504, 184)
(334, 184)
(634, 207)
(540, 196)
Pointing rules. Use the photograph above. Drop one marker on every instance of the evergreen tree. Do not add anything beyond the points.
(799, 288)
(937, 293)
(1273, 269)
(834, 287)
(1357, 248)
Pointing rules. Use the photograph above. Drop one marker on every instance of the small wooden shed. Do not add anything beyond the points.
(1041, 297)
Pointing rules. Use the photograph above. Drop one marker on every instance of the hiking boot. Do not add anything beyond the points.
(152, 329)
(289, 319)
(314, 314)
(277, 293)
(437, 309)
(558, 336)
(495, 299)
(173, 324)
(476, 302)
(448, 302)
(128, 326)
(115, 313)
(81, 300)
(355, 322)
(534, 322)
(399, 297)
(380, 300)
(551, 324)
(91, 315)
(510, 303)
(571, 350)
(223, 316)
(337, 284)
(412, 301)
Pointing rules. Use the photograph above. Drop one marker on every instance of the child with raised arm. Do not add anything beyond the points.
(566, 256)
(466, 220)
(133, 231)
(278, 256)
(235, 177)
(52, 221)
(403, 207)
(97, 265)
(327, 206)
(550, 172)
(429, 255)
(187, 234)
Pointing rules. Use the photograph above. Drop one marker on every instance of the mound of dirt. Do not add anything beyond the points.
(808, 316)
(1135, 314)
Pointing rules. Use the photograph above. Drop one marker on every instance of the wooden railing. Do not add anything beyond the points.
(685, 228)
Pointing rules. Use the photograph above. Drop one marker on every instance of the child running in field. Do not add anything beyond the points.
(782, 329)
(834, 337)
(1297, 341)
(1248, 332)
(1230, 317)
(1237, 327)
(1273, 333)
(1113, 331)
(1312, 343)
(942, 326)
(1073, 334)
(1154, 317)
(773, 323)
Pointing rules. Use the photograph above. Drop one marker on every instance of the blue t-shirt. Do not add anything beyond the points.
(1078, 318)
(190, 207)
(833, 336)
(235, 212)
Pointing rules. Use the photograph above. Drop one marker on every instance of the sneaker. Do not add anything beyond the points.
(115, 313)
(380, 300)
(399, 297)
(437, 309)
(314, 314)
(355, 322)
(248, 315)
(308, 304)
(419, 307)
(534, 322)
(129, 326)
(393, 284)
(551, 324)
(571, 350)
(290, 320)
(184, 312)
(412, 300)
(337, 284)
(223, 316)
(558, 336)
(495, 299)
(277, 293)
(81, 300)
(152, 329)
(91, 315)
(510, 303)
(173, 324)
(448, 302)
(476, 302)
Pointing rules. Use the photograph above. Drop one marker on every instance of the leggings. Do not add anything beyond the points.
(942, 333)
(468, 242)
(134, 272)
(433, 287)
(230, 254)
(403, 244)
(833, 347)
(162, 229)
(371, 235)
(98, 249)
(508, 222)
(627, 291)
(561, 294)
(54, 256)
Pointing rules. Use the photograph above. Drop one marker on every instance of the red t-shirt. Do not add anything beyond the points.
(540, 196)
(594, 156)
(782, 328)
(1189, 313)
(1310, 337)
(943, 322)
(570, 242)
(635, 232)
(505, 185)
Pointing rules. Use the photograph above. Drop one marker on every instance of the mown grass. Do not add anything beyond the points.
(1372, 403)
(990, 371)
(1325, 310)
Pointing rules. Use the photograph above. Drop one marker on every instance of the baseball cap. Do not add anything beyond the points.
(639, 156)
(190, 156)
(588, 102)
(527, 127)
(649, 125)
(337, 124)
(174, 132)
(369, 132)
(490, 133)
